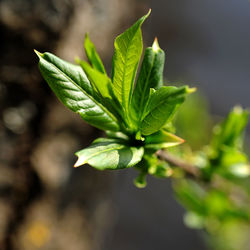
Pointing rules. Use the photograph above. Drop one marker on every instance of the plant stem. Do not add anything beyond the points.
(190, 169)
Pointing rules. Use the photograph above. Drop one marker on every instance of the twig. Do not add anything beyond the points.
(187, 167)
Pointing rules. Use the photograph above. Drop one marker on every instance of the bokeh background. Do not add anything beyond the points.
(44, 202)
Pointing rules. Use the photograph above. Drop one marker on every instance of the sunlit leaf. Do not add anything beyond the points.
(128, 49)
(73, 89)
(92, 55)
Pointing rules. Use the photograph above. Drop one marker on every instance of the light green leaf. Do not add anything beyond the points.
(109, 154)
(161, 107)
(73, 89)
(230, 131)
(92, 55)
(162, 139)
(103, 87)
(151, 76)
(100, 81)
(128, 49)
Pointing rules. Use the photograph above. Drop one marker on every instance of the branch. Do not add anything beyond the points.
(187, 167)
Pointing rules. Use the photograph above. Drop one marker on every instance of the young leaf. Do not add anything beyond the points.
(73, 89)
(103, 87)
(151, 76)
(162, 139)
(229, 132)
(92, 55)
(128, 49)
(109, 154)
(100, 81)
(161, 107)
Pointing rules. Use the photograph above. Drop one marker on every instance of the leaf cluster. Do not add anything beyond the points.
(220, 199)
(133, 111)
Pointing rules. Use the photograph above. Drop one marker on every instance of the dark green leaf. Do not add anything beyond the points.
(161, 107)
(71, 86)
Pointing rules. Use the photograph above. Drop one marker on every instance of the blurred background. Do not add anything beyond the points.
(44, 202)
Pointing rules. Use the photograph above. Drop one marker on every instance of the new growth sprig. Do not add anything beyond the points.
(134, 115)
(136, 110)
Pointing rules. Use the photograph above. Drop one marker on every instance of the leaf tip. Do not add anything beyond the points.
(155, 45)
(39, 54)
(142, 19)
(77, 60)
(79, 162)
(87, 35)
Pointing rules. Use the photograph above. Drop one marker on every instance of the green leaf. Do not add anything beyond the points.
(161, 107)
(162, 139)
(128, 49)
(103, 87)
(100, 81)
(151, 76)
(117, 135)
(229, 132)
(109, 154)
(92, 55)
(73, 89)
